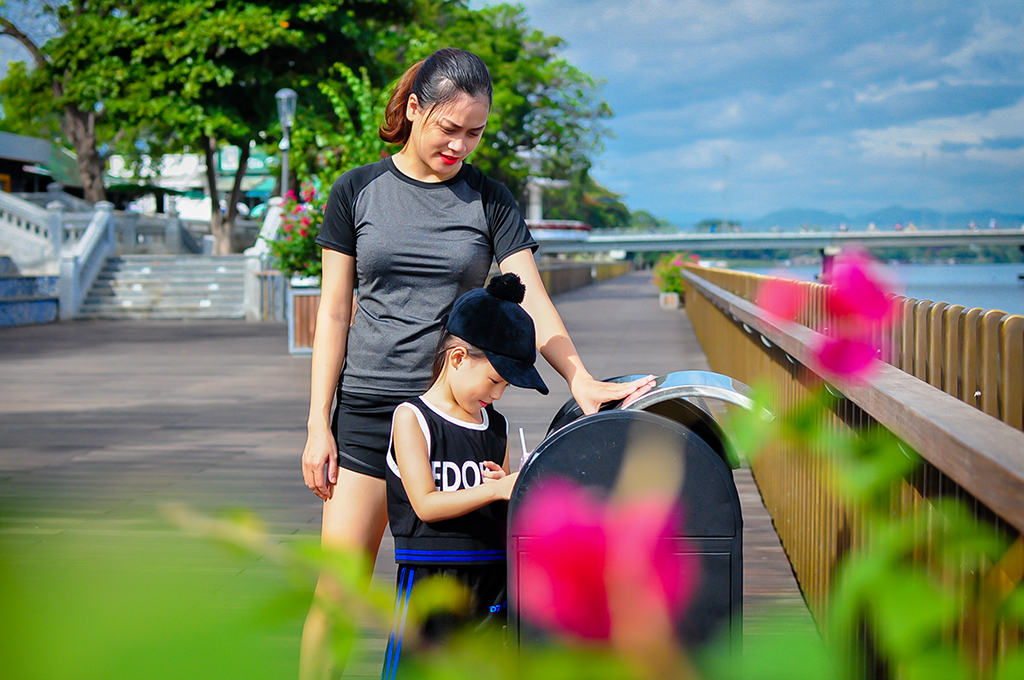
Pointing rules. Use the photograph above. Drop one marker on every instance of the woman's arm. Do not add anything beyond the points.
(429, 504)
(555, 344)
(333, 318)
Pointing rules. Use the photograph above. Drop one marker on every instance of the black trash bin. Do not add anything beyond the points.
(589, 451)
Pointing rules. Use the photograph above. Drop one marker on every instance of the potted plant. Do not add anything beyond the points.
(668, 277)
(297, 255)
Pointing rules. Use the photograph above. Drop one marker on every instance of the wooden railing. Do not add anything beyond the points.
(562, 277)
(951, 390)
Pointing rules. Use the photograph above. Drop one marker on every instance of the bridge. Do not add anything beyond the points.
(597, 242)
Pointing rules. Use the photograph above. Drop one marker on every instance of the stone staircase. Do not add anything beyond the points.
(154, 287)
(26, 300)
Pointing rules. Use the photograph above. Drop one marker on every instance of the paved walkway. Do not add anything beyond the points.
(102, 422)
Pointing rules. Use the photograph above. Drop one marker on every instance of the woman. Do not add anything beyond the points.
(418, 229)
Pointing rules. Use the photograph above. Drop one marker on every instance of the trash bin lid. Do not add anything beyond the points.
(681, 396)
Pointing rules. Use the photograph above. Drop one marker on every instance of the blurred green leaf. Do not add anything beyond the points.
(911, 612)
(934, 663)
(1010, 667)
(771, 655)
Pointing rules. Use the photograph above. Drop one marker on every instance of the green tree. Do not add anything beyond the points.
(586, 200)
(194, 74)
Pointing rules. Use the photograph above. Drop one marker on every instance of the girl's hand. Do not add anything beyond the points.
(503, 486)
(492, 471)
(321, 451)
(590, 393)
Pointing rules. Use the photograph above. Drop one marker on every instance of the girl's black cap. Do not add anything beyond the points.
(493, 320)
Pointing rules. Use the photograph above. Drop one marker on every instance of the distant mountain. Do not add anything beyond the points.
(795, 219)
(887, 218)
(792, 219)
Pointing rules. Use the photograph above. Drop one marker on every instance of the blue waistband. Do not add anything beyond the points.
(408, 555)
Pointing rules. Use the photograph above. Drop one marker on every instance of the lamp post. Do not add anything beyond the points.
(286, 99)
(535, 183)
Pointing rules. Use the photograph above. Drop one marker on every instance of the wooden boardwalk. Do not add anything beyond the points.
(101, 422)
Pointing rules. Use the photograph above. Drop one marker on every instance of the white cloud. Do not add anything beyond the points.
(969, 133)
(874, 93)
(991, 37)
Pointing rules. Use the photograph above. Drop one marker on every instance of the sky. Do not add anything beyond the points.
(739, 108)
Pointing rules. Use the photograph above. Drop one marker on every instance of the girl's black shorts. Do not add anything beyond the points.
(362, 429)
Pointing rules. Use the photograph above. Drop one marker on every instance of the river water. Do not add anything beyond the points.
(988, 286)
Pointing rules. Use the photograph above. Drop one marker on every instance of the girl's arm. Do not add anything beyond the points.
(429, 504)
(555, 344)
(333, 318)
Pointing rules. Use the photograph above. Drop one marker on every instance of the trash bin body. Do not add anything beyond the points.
(589, 451)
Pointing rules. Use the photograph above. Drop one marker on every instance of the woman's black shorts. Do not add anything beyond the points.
(362, 429)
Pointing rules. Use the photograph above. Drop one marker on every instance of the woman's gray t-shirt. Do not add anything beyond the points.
(418, 246)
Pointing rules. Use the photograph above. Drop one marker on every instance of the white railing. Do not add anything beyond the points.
(55, 192)
(81, 263)
(24, 216)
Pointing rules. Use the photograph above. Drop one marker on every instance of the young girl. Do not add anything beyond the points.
(417, 229)
(446, 489)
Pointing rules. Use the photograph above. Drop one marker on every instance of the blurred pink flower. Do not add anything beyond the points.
(858, 288)
(847, 357)
(781, 297)
(583, 549)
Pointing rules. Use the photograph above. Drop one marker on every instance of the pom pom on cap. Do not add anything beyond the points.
(507, 287)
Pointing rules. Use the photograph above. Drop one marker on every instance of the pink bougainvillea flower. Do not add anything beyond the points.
(781, 297)
(591, 562)
(565, 569)
(644, 558)
(859, 288)
(850, 358)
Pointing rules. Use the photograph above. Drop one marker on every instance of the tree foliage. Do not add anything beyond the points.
(193, 75)
(189, 74)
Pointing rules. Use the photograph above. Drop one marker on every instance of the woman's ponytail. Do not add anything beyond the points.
(396, 126)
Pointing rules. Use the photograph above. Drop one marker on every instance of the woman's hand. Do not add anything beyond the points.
(321, 452)
(590, 393)
(337, 281)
